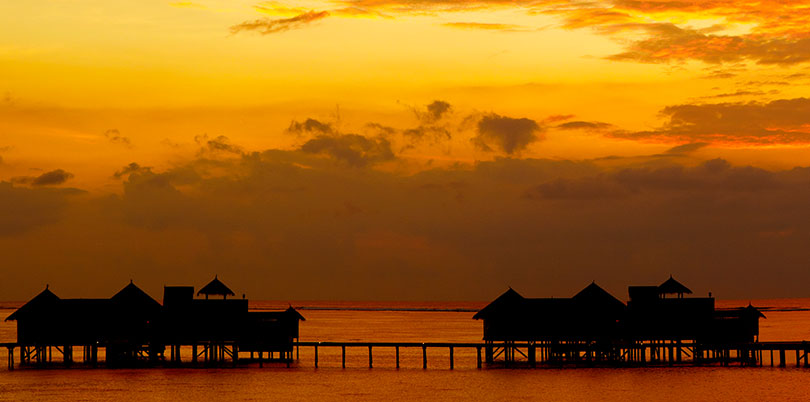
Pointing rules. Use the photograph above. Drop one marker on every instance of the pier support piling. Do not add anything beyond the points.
(424, 357)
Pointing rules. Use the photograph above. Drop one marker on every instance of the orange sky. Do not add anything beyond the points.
(173, 140)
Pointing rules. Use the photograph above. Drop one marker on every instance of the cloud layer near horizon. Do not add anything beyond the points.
(297, 224)
(783, 121)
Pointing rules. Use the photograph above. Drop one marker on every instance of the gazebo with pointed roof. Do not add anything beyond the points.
(671, 286)
(216, 288)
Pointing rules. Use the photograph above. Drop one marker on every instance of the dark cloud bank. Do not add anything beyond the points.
(321, 223)
(331, 219)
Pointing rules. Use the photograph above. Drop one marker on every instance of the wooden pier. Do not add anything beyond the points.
(487, 354)
(450, 347)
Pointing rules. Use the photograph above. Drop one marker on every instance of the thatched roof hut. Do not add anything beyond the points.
(671, 287)
(216, 288)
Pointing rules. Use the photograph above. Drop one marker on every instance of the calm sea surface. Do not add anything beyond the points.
(788, 319)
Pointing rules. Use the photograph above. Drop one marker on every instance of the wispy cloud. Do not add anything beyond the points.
(52, 178)
(115, 137)
(268, 26)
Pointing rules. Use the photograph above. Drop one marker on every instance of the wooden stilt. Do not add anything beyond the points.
(424, 357)
(397, 353)
(343, 356)
(678, 355)
(370, 363)
(451, 358)
(316, 356)
(478, 351)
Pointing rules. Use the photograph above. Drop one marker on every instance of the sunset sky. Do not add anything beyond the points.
(405, 149)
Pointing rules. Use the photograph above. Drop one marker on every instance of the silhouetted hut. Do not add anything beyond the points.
(271, 331)
(125, 318)
(507, 318)
(735, 325)
(216, 288)
(592, 314)
(750, 316)
(39, 320)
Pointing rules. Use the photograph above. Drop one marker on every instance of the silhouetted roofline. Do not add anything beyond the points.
(46, 296)
(291, 310)
(216, 287)
(133, 294)
(595, 294)
(753, 310)
(508, 297)
(671, 286)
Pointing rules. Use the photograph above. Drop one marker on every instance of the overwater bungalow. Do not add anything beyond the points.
(594, 325)
(592, 313)
(132, 326)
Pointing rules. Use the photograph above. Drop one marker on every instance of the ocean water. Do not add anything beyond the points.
(788, 319)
